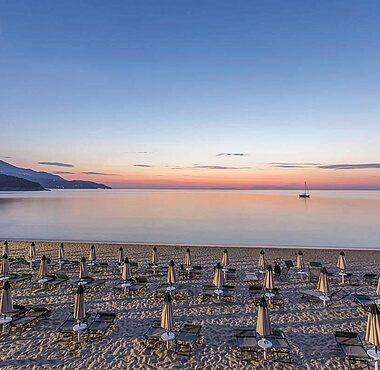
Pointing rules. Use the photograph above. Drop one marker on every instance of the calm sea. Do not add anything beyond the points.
(327, 219)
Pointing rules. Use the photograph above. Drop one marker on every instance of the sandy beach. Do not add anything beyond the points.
(309, 327)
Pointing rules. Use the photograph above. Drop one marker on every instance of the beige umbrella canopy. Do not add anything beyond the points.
(323, 284)
(167, 317)
(92, 256)
(4, 268)
(43, 271)
(378, 287)
(262, 259)
(188, 257)
(171, 273)
(32, 251)
(61, 252)
(268, 279)
(79, 305)
(300, 263)
(83, 270)
(154, 256)
(120, 256)
(263, 326)
(372, 334)
(218, 280)
(342, 264)
(6, 304)
(126, 274)
(6, 248)
(225, 260)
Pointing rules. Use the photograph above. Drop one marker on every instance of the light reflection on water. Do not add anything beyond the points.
(328, 218)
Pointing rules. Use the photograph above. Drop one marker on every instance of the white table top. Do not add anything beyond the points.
(125, 285)
(42, 280)
(83, 282)
(170, 288)
(168, 336)
(5, 320)
(265, 345)
(218, 291)
(324, 298)
(79, 327)
(342, 273)
(373, 354)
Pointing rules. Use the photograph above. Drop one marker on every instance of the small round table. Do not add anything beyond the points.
(375, 356)
(167, 337)
(4, 278)
(82, 282)
(270, 295)
(265, 345)
(325, 299)
(4, 321)
(302, 274)
(125, 285)
(79, 328)
(154, 268)
(170, 288)
(342, 274)
(218, 292)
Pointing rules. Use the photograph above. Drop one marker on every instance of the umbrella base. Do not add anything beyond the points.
(375, 356)
(265, 345)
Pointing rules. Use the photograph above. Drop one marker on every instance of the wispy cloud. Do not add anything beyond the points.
(142, 165)
(138, 152)
(232, 154)
(210, 167)
(294, 165)
(347, 166)
(98, 173)
(63, 172)
(58, 164)
(6, 156)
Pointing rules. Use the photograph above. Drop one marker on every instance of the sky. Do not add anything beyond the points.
(193, 94)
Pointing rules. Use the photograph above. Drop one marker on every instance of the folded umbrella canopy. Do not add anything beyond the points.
(261, 263)
(4, 268)
(6, 304)
(126, 274)
(300, 263)
(342, 264)
(61, 252)
(83, 270)
(188, 258)
(268, 279)
(120, 256)
(92, 257)
(171, 274)
(6, 248)
(323, 285)
(218, 280)
(154, 256)
(167, 318)
(372, 334)
(225, 260)
(378, 287)
(79, 310)
(43, 271)
(263, 326)
(32, 251)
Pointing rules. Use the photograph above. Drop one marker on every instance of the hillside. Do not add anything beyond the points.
(47, 180)
(12, 183)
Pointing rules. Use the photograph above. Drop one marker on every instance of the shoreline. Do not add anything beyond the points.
(172, 245)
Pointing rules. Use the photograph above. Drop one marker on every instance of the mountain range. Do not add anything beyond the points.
(47, 180)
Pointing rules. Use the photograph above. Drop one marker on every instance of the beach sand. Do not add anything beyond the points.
(308, 326)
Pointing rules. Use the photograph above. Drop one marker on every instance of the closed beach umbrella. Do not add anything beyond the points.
(92, 256)
(61, 252)
(43, 271)
(342, 264)
(225, 260)
(372, 334)
(6, 248)
(120, 256)
(323, 285)
(268, 279)
(154, 256)
(188, 257)
(378, 287)
(218, 280)
(32, 251)
(171, 273)
(83, 270)
(126, 274)
(6, 304)
(79, 305)
(4, 269)
(300, 263)
(263, 326)
(262, 259)
(167, 317)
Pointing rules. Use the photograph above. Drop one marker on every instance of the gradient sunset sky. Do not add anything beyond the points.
(193, 94)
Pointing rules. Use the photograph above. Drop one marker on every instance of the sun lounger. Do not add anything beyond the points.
(33, 314)
(180, 289)
(364, 300)
(19, 278)
(284, 273)
(121, 287)
(57, 280)
(371, 278)
(246, 342)
(17, 260)
(158, 270)
(278, 298)
(102, 322)
(140, 284)
(308, 293)
(65, 330)
(256, 292)
(186, 338)
(91, 283)
(281, 348)
(153, 334)
(228, 292)
(18, 311)
(352, 347)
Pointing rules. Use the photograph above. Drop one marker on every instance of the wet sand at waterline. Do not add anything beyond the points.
(308, 326)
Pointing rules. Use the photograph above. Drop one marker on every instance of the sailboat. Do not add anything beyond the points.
(306, 194)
